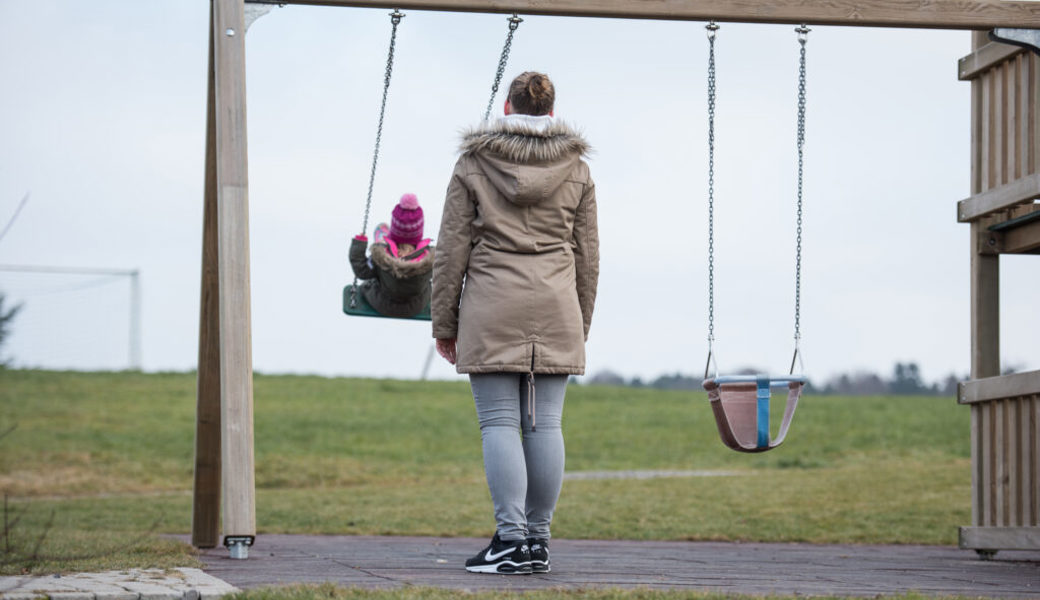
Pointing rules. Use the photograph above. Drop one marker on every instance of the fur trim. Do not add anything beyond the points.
(401, 269)
(521, 142)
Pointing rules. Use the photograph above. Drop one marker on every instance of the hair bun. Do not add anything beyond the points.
(532, 93)
(538, 86)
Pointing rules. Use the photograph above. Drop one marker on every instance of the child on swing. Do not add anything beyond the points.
(397, 272)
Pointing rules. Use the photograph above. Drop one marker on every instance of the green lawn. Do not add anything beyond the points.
(101, 462)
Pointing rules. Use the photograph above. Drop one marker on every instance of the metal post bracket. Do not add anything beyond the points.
(238, 545)
(254, 10)
(1026, 38)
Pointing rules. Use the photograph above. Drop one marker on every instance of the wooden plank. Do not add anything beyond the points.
(1029, 112)
(998, 139)
(986, 129)
(1033, 124)
(986, 466)
(1000, 197)
(1034, 425)
(1010, 460)
(976, 457)
(1021, 480)
(1017, 112)
(993, 53)
(205, 521)
(1000, 482)
(1015, 475)
(977, 129)
(935, 14)
(998, 175)
(1021, 240)
(236, 375)
(1000, 538)
(999, 387)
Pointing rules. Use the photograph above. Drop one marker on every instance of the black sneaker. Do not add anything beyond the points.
(509, 558)
(539, 555)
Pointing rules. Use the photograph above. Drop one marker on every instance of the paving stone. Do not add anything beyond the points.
(134, 584)
(71, 596)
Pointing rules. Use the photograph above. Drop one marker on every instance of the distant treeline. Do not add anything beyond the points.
(905, 381)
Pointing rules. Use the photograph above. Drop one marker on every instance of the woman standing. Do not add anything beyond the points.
(519, 228)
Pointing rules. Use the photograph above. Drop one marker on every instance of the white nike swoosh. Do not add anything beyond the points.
(490, 557)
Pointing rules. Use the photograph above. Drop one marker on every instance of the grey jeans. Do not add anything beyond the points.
(523, 464)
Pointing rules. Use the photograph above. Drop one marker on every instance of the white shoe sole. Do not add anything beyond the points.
(494, 568)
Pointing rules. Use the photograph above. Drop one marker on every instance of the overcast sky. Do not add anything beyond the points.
(102, 119)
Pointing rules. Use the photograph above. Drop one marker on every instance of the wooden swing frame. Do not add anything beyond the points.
(1005, 409)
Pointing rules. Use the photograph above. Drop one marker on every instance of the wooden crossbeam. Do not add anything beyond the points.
(935, 14)
(983, 59)
(998, 198)
(1000, 538)
(1021, 240)
(999, 388)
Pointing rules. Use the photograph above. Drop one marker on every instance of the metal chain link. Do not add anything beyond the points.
(395, 20)
(712, 28)
(803, 34)
(514, 22)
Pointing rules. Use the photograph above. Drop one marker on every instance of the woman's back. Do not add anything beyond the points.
(530, 179)
(517, 217)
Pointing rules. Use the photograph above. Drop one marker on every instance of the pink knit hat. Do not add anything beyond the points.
(406, 224)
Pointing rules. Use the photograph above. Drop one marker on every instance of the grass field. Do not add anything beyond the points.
(99, 464)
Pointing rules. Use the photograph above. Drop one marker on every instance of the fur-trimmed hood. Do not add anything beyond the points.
(526, 158)
(402, 269)
(525, 139)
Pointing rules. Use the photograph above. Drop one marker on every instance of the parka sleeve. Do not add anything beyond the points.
(358, 260)
(585, 245)
(452, 257)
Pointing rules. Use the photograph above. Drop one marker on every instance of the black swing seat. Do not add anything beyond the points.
(364, 309)
(741, 407)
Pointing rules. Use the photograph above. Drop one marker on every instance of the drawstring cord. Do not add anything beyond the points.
(531, 400)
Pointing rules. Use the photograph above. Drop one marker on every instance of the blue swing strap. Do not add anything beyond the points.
(740, 404)
(762, 396)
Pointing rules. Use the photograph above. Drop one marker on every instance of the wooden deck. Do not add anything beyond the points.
(802, 569)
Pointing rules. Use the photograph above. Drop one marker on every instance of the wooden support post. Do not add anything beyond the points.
(985, 268)
(205, 522)
(236, 360)
(985, 301)
(224, 432)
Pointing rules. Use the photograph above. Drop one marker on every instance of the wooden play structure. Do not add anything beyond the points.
(1004, 219)
(1002, 211)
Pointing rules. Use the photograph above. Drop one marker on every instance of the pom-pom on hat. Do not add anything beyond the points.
(406, 223)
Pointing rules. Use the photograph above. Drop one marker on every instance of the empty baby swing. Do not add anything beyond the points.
(741, 403)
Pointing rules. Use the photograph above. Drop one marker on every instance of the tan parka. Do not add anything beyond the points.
(517, 260)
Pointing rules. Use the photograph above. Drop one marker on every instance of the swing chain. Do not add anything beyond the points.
(712, 27)
(803, 33)
(514, 22)
(395, 20)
